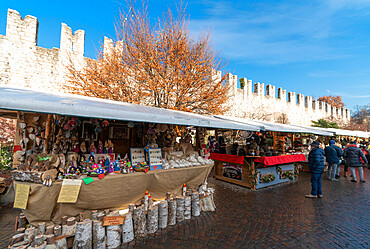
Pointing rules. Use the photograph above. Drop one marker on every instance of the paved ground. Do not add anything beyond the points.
(277, 217)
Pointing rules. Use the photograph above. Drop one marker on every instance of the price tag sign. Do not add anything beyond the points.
(69, 191)
(113, 220)
(22, 192)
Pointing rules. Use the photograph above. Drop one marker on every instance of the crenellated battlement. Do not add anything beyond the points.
(23, 63)
(300, 109)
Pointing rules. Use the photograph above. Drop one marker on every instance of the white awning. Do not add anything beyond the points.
(339, 132)
(22, 99)
(269, 126)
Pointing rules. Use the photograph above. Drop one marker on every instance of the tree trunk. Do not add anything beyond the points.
(61, 243)
(114, 234)
(64, 220)
(30, 234)
(99, 239)
(20, 245)
(163, 214)
(180, 203)
(41, 228)
(83, 237)
(16, 238)
(187, 212)
(57, 231)
(207, 204)
(127, 229)
(131, 207)
(39, 240)
(172, 212)
(195, 205)
(70, 228)
(49, 230)
(27, 176)
(22, 221)
(20, 230)
(152, 223)
(140, 222)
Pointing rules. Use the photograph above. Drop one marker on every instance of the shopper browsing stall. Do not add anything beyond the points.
(332, 153)
(316, 165)
(355, 159)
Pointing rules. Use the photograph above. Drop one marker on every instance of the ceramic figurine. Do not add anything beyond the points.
(75, 144)
(110, 146)
(72, 169)
(101, 170)
(92, 147)
(95, 168)
(117, 168)
(106, 163)
(100, 147)
(83, 148)
(92, 157)
(111, 167)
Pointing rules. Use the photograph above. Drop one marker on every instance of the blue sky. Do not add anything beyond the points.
(311, 47)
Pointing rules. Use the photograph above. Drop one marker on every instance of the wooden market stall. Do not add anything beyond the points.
(256, 172)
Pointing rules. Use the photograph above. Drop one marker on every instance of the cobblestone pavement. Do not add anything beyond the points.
(279, 217)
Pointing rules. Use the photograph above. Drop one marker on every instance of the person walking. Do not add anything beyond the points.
(355, 159)
(316, 165)
(332, 153)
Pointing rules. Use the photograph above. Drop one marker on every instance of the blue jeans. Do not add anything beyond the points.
(332, 170)
(316, 184)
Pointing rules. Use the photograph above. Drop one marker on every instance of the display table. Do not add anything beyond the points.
(255, 172)
(113, 192)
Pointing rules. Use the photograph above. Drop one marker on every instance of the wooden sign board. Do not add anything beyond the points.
(113, 220)
(69, 191)
(21, 196)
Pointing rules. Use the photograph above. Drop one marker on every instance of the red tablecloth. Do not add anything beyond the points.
(273, 160)
(227, 158)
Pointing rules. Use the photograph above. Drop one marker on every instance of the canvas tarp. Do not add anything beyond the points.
(113, 192)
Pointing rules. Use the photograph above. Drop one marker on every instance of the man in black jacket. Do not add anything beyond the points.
(355, 159)
(333, 153)
(316, 165)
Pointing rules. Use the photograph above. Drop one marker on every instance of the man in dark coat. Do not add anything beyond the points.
(316, 165)
(333, 153)
(353, 156)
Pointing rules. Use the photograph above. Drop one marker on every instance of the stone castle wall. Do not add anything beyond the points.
(24, 64)
(260, 102)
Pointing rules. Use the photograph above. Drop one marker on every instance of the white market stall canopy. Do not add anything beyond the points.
(21, 99)
(268, 126)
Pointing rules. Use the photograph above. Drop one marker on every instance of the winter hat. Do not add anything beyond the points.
(315, 143)
(331, 142)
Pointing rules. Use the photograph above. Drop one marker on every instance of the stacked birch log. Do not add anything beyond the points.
(141, 219)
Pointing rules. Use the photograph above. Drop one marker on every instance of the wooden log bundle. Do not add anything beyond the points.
(83, 236)
(41, 228)
(180, 206)
(30, 234)
(57, 231)
(207, 203)
(20, 245)
(128, 229)
(49, 230)
(99, 239)
(27, 176)
(20, 230)
(195, 205)
(16, 238)
(152, 222)
(22, 221)
(140, 222)
(187, 211)
(172, 212)
(70, 228)
(162, 214)
(114, 234)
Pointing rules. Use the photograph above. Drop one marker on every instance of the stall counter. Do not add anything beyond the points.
(255, 172)
(113, 192)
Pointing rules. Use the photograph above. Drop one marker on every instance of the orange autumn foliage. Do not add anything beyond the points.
(335, 101)
(156, 65)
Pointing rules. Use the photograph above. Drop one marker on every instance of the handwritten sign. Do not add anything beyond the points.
(113, 220)
(69, 191)
(22, 192)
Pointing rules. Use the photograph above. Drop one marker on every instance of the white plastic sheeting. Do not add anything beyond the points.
(269, 126)
(21, 99)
